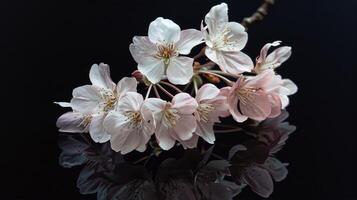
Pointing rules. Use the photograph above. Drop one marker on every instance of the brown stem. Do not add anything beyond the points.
(259, 14)
(200, 54)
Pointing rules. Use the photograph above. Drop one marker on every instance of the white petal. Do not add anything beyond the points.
(217, 18)
(205, 130)
(132, 141)
(126, 85)
(153, 69)
(131, 101)
(154, 104)
(284, 101)
(180, 70)
(71, 122)
(188, 39)
(97, 130)
(163, 31)
(206, 92)
(100, 76)
(231, 62)
(238, 37)
(63, 104)
(141, 48)
(86, 99)
(290, 86)
(163, 137)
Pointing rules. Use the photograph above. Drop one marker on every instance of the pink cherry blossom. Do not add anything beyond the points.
(130, 124)
(254, 97)
(225, 40)
(158, 53)
(174, 120)
(211, 106)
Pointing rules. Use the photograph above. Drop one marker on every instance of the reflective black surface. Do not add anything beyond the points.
(193, 174)
(48, 47)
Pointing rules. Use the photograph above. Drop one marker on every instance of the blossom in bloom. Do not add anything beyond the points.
(91, 103)
(225, 40)
(174, 120)
(158, 53)
(211, 106)
(255, 97)
(130, 124)
(274, 59)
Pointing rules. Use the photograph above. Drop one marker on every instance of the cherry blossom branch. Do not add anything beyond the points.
(165, 91)
(156, 92)
(224, 73)
(148, 92)
(259, 14)
(195, 86)
(200, 54)
(229, 82)
(172, 86)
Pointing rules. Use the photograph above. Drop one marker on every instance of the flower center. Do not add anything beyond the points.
(170, 116)
(86, 121)
(166, 51)
(224, 40)
(245, 95)
(135, 119)
(204, 110)
(110, 99)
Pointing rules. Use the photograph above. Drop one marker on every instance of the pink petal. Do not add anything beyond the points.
(191, 143)
(163, 137)
(131, 101)
(258, 107)
(233, 109)
(141, 48)
(207, 91)
(205, 130)
(184, 103)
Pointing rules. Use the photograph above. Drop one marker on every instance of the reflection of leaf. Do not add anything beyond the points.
(89, 180)
(205, 157)
(137, 189)
(235, 149)
(73, 150)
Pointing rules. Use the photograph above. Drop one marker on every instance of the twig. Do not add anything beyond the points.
(229, 130)
(148, 92)
(229, 82)
(165, 91)
(172, 86)
(156, 92)
(259, 15)
(200, 54)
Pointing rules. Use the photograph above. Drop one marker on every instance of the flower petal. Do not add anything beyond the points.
(126, 85)
(164, 31)
(141, 48)
(180, 70)
(205, 130)
(233, 109)
(277, 57)
(185, 127)
(71, 122)
(217, 18)
(99, 75)
(97, 130)
(258, 107)
(231, 62)
(191, 143)
(163, 137)
(206, 92)
(152, 68)
(238, 37)
(131, 101)
(276, 168)
(184, 103)
(86, 99)
(189, 38)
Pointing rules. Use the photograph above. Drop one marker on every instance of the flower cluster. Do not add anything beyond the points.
(117, 112)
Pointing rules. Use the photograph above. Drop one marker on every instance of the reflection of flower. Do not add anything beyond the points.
(158, 54)
(225, 40)
(91, 103)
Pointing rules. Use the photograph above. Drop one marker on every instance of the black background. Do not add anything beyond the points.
(49, 46)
